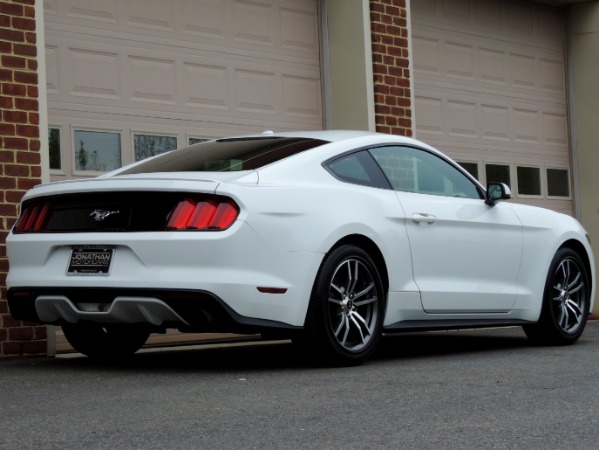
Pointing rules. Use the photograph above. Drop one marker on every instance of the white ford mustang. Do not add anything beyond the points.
(332, 238)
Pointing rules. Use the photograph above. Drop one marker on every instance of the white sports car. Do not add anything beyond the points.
(331, 238)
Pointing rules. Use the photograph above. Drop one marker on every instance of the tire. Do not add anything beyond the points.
(106, 341)
(566, 301)
(347, 307)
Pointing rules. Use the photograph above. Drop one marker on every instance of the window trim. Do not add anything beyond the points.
(570, 183)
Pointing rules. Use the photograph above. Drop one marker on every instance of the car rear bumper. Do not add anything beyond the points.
(188, 310)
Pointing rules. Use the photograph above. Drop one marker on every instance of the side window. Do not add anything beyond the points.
(358, 168)
(411, 169)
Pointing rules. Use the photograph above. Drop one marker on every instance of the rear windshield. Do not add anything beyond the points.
(226, 155)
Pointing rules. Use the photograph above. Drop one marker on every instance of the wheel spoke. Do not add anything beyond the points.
(364, 291)
(573, 306)
(353, 319)
(366, 301)
(341, 323)
(341, 290)
(335, 301)
(346, 322)
(357, 316)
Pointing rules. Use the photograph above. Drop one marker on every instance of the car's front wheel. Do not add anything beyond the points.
(566, 301)
(345, 317)
(105, 341)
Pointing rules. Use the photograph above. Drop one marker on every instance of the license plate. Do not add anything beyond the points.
(90, 260)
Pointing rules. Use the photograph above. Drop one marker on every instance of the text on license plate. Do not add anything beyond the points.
(90, 260)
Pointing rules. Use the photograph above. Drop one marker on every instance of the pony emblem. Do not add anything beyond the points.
(100, 214)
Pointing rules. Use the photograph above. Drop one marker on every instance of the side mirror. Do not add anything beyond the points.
(497, 192)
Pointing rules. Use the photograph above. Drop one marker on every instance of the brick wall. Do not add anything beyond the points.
(392, 96)
(19, 152)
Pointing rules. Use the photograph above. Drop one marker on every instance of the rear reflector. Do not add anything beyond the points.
(271, 290)
(213, 214)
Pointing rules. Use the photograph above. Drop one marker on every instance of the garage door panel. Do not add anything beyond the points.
(195, 66)
(491, 65)
(489, 82)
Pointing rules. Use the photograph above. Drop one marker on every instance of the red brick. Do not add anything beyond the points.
(11, 9)
(26, 77)
(14, 196)
(36, 171)
(15, 62)
(32, 91)
(3, 332)
(21, 23)
(31, 38)
(32, 64)
(7, 156)
(34, 118)
(41, 332)
(34, 145)
(16, 143)
(11, 35)
(27, 183)
(26, 104)
(13, 116)
(28, 131)
(12, 348)
(25, 49)
(29, 11)
(7, 183)
(15, 170)
(392, 11)
(35, 347)
(29, 158)
(20, 334)
(377, 7)
(6, 102)
(5, 74)
(7, 129)
(14, 89)
(25, 2)
(9, 321)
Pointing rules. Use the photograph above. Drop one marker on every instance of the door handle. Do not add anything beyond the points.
(424, 218)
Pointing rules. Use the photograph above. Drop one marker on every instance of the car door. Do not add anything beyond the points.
(465, 254)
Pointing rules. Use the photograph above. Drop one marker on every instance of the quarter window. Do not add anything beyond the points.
(358, 168)
(411, 169)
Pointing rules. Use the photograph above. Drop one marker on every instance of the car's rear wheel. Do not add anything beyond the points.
(106, 341)
(345, 317)
(566, 301)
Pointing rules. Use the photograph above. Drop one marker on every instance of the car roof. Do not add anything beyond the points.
(329, 135)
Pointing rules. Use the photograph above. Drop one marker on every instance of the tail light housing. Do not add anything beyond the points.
(33, 217)
(214, 213)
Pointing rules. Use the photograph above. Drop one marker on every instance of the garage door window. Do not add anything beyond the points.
(470, 167)
(529, 181)
(146, 145)
(97, 151)
(558, 183)
(54, 148)
(498, 173)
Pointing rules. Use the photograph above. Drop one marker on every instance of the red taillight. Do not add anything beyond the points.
(213, 214)
(33, 218)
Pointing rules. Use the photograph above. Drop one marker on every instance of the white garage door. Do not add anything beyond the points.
(131, 78)
(490, 91)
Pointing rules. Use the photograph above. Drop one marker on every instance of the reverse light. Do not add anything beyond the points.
(212, 214)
